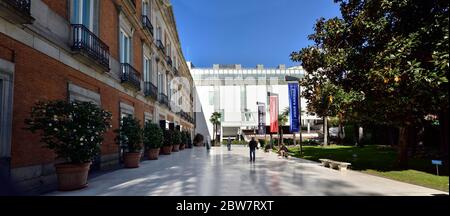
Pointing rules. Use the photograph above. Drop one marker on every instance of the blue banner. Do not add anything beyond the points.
(294, 118)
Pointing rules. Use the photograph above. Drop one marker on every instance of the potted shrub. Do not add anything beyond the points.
(167, 144)
(176, 140)
(199, 140)
(189, 139)
(129, 137)
(183, 140)
(153, 140)
(74, 131)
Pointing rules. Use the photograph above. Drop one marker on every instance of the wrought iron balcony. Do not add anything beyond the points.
(150, 90)
(169, 61)
(175, 71)
(23, 6)
(130, 76)
(88, 43)
(17, 11)
(182, 114)
(160, 46)
(147, 24)
(163, 99)
(132, 2)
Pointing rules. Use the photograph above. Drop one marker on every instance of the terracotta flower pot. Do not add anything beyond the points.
(182, 146)
(166, 150)
(153, 154)
(132, 159)
(176, 148)
(72, 176)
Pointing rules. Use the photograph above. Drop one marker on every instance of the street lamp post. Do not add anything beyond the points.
(297, 80)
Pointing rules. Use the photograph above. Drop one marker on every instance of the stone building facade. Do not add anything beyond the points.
(123, 55)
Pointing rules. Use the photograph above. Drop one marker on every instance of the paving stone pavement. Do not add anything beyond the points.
(219, 172)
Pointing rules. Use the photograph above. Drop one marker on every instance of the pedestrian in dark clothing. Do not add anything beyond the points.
(253, 146)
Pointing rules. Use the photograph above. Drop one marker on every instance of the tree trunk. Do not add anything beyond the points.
(325, 131)
(271, 142)
(413, 139)
(214, 134)
(403, 147)
(340, 130)
(281, 135)
(390, 136)
(356, 134)
(443, 126)
(360, 135)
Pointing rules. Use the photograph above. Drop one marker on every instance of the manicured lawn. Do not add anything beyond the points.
(415, 177)
(378, 160)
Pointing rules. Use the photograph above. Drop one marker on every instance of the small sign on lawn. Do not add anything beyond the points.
(437, 163)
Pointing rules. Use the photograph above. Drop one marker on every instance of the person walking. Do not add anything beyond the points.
(208, 143)
(229, 143)
(253, 145)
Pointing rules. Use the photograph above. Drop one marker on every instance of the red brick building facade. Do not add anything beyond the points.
(124, 55)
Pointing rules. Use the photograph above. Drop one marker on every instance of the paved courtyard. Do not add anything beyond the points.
(218, 172)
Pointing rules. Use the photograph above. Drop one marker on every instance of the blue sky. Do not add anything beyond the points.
(247, 32)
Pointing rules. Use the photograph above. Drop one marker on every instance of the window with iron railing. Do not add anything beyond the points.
(147, 24)
(163, 99)
(169, 60)
(125, 47)
(150, 90)
(132, 2)
(130, 76)
(87, 42)
(160, 46)
(24, 6)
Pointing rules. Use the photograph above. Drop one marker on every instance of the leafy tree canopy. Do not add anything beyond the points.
(383, 61)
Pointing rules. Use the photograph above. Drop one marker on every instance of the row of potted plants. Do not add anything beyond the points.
(155, 140)
(74, 131)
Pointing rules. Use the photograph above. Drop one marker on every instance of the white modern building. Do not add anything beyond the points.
(234, 91)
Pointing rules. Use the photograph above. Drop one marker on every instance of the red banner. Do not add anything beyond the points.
(273, 114)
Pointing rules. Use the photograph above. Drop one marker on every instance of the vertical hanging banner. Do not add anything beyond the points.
(293, 107)
(273, 114)
(261, 118)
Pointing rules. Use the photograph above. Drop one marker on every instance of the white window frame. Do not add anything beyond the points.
(149, 117)
(126, 109)
(147, 64)
(125, 47)
(79, 19)
(148, 11)
(77, 93)
(160, 82)
(6, 105)
(127, 31)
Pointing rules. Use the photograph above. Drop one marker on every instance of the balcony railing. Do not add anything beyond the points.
(132, 2)
(24, 6)
(163, 99)
(87, 42)
(150, 90)
(169, 61)
(147, 24)
(160, 46)
(16, 11)
(175, 70)
(130, 76)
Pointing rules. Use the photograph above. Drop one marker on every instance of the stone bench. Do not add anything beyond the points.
(335, 164)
